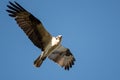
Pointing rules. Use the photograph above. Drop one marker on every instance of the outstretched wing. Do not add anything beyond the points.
(30, 25)
(63, 57)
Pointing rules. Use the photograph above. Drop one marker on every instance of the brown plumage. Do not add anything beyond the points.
(41, 38)
(63, 57)
(30, 25)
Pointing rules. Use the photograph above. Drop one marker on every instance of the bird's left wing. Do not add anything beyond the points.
(30, 25)
(63, 57)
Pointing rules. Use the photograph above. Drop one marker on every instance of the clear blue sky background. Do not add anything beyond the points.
(90, 28)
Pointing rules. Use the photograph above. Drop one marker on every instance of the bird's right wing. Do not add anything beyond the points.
(30, 25)
(63, 57)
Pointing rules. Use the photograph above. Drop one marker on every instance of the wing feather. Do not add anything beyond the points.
(30, 25)
(63, 57)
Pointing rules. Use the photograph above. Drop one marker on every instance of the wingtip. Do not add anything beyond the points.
(8, 6)
(67, 68)
(10, 2)
(15, 2)
(69, 65)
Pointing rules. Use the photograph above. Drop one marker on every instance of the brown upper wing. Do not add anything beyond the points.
(63, 57)
(30, 25)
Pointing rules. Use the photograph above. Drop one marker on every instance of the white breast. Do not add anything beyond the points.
(54, 41)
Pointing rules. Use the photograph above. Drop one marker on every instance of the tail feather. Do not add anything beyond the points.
(39, 61)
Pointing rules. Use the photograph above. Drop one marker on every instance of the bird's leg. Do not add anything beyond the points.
(45, 54)
(40, 60)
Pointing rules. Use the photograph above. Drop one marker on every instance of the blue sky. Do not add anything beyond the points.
(90, 29)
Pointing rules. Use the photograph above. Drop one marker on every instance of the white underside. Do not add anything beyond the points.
(53, 42)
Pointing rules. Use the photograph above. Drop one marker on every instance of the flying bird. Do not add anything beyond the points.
(50, 46)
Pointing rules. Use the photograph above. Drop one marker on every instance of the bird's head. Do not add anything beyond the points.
(59, 37)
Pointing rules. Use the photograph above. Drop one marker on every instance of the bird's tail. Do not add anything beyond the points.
(39, 61)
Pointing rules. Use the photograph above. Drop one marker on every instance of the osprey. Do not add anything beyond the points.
(50, 46)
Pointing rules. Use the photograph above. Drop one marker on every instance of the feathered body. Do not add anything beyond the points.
(50, 46)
